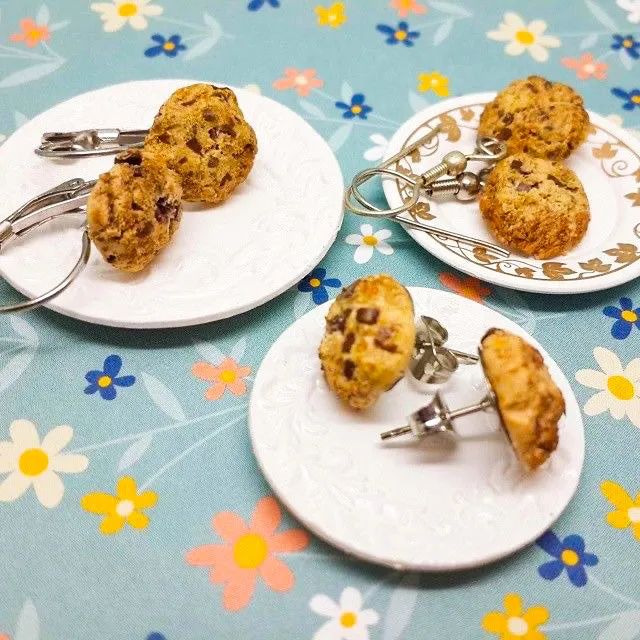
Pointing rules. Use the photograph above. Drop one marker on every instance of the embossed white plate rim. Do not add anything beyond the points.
(332, 219)
(606, 281)
(259, 433)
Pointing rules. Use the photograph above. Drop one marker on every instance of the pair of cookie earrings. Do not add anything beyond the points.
(433, 363)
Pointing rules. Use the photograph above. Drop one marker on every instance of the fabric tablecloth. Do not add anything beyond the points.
(145, 516)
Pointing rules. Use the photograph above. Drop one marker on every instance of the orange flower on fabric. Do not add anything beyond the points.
(32, 33)
(301, 81)
(405, 7)
(122, 508)
(514, 623)
(249, 552)
(228, 375)
(627, 512)
(466, 286)
(586, 67)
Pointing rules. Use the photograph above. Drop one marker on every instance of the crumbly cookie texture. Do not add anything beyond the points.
(529, 401)
(201, 133)
(534, 206)
(542, 118)
(368, 340)
(134, 210)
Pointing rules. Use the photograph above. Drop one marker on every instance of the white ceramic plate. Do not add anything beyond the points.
(437, 504)
(224, 260)
(608, 164)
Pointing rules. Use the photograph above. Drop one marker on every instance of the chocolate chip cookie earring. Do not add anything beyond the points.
(66, 199)
(432, 363)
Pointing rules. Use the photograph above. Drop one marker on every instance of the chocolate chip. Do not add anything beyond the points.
(350, 290)
(182, 161)
(517, 165)
(348, 369)
(382, 340)
(165, 138)
(532, 87)
(188, 103)
(146, 229)
(349, 339)
(133, 158)
(135, 206)
(508, 118)
(547, 84)
(111, 259)
(225, 178)
(209, 115)
(367, 315)
(137, 172)
(339, 322)
(500, 113)
(523, 187)
(552, 155)
(195, 146)
(561, 184)
(165, 210)
(213, 162)
(504, 134)
(226, 129)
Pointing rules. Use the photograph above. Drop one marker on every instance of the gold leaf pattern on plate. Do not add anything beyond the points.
(450, 127)
(467, 114)
(421, 210)
(634, 197)
(604, 152)
(595, 264)
(556, 270)
(481, 254)
(524, 272)
(625, 253)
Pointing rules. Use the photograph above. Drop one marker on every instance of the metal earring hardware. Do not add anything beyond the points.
(89, 142)
(432, 363)
(65, 199)
(465, 185)
(436, 417)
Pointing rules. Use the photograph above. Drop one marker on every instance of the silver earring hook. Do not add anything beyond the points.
(89, 142)
(65, 199)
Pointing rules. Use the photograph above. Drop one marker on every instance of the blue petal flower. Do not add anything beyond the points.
(551, 570)
(318, 272)
(332, 282)
(550, 542)
(612, 312)
(620, 93)
(575, 543)
(621, 329)
(385, 28)
(357, 99)
(626, 303)
(108, 393)
(305, 286)
(320, 295)
(124, 381)
(112, 366)
(155, 635)
(577, 575)
(403, 26)
(343, 105)
(156, 37)
(92, 388)
(152, 52)
(93, 376)
(589, 559)
(349, 115)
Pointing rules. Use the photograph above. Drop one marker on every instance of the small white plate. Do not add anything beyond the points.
(608, 164)
(223, 261)
(434, 505)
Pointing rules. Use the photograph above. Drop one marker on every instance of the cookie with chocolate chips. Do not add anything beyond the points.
(542, 118)
(368, 340)
(534, 206)
(134, 210)
(201, 133)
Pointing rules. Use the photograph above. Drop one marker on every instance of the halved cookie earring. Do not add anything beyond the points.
(522, 393)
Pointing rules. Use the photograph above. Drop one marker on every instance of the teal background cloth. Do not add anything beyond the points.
(62, 578)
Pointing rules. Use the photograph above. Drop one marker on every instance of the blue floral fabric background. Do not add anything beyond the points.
(130, 503)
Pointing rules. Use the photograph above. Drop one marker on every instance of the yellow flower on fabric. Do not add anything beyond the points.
(122, 508)
(515, 623)
(435, 82)
(332, 16)
(521, 37)
(627, 512)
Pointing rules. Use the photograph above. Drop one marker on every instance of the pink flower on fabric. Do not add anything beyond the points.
(228, 375)
(248, 552)
(301, 81)
(586, 67)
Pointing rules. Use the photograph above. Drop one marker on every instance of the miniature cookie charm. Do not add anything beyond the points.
(201, 133)
(542, 118)
(534, 206)
(134, 210)
(368, 340)
(528, 401)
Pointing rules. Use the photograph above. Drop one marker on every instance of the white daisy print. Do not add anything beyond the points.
(376, 152)
(633, 7)
(618, 386)
(523, 37)
(367, 241)
(31, 462)
(117, 13)
(347, 620)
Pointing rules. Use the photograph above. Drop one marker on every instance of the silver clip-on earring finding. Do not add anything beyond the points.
(65, 199)
(89, 142)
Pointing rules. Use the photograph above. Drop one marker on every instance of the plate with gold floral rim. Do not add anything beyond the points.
(608, 164)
